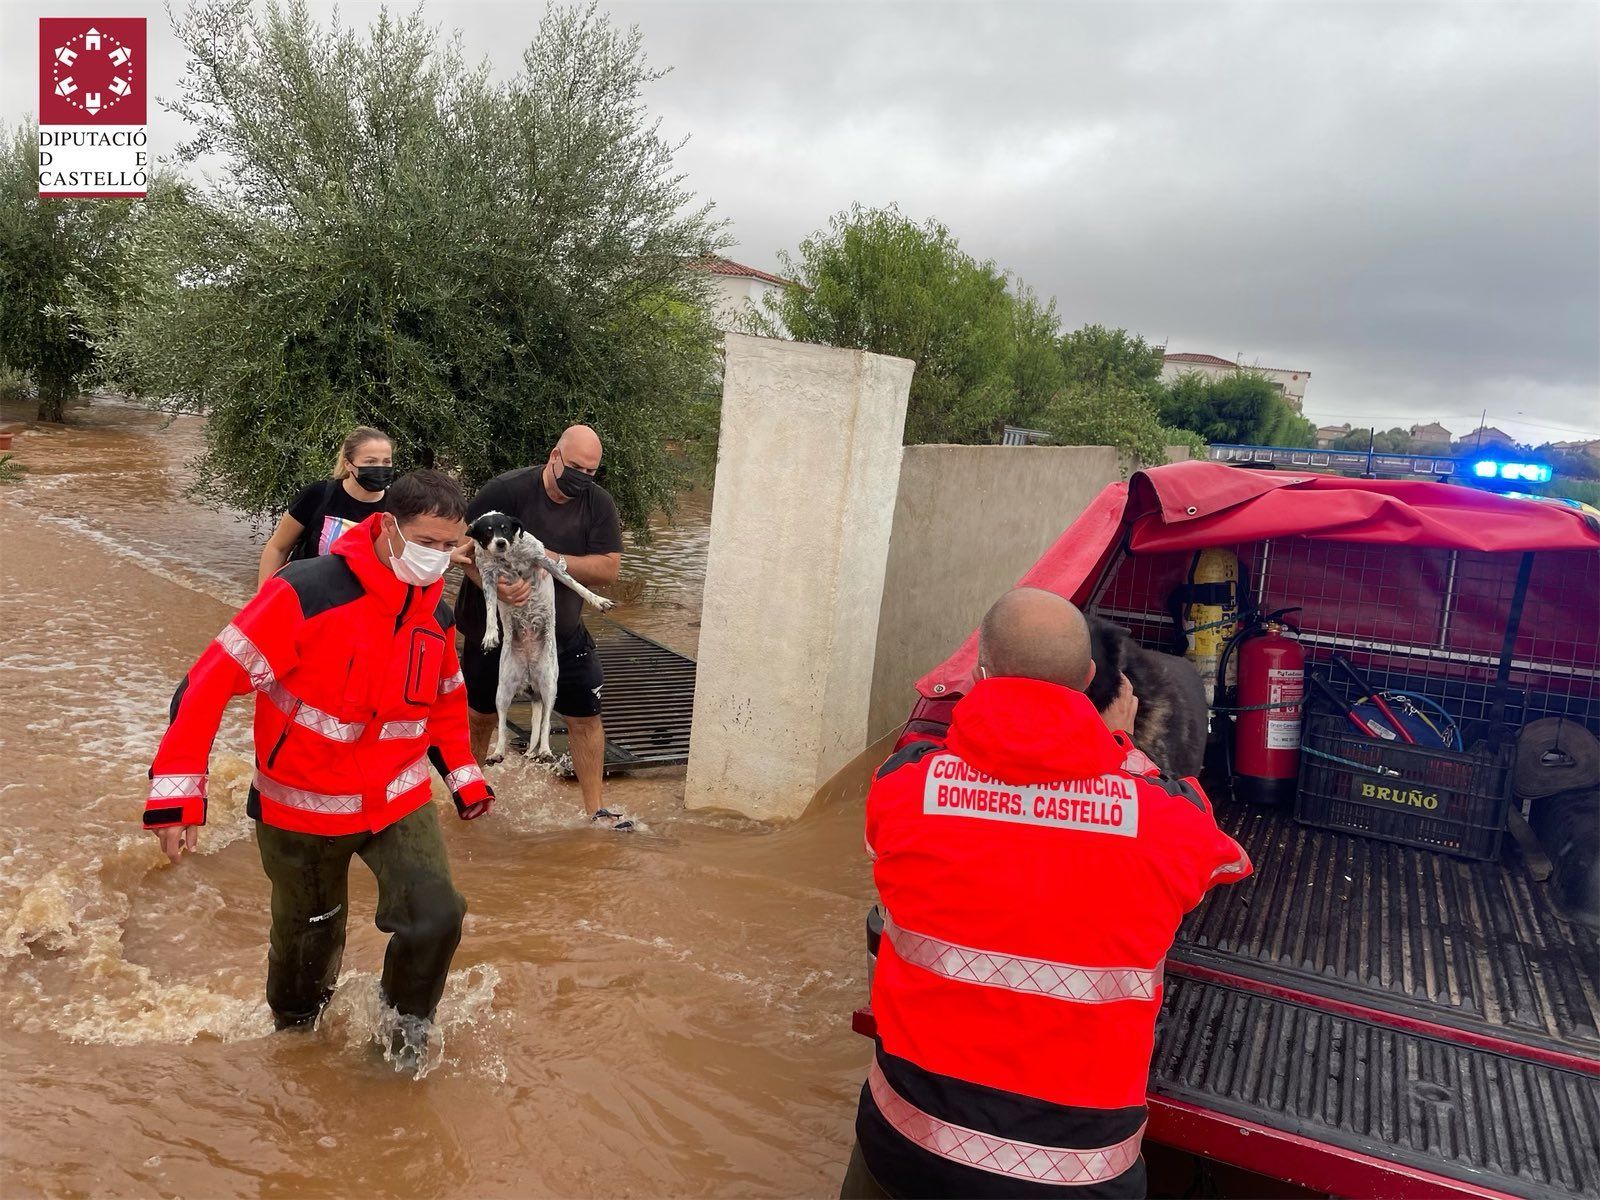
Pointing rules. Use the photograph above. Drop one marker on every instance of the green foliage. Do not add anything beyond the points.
(10, 469)
(1111, 396)
(54, 254)
(1243, 409)
(1586, 490)
(1387, 441)
(396, 239)
(1116, 416)
(1102, 358)
(1038, 372)
(875, 280)
(1356, 439)
(988, 351)
(13, 383)
(1570, 463)
(1285, 427)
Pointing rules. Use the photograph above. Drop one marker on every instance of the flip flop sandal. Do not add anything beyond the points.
(620, 822)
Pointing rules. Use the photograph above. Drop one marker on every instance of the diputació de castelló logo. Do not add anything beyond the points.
(93, 89)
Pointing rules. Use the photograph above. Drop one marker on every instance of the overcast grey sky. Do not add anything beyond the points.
(1402, 199)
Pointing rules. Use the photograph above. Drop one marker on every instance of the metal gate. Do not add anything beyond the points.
(649, 700)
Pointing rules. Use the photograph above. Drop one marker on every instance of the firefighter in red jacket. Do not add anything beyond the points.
(352, 660)
(1032, 876)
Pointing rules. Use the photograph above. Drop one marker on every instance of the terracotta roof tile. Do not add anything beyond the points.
(1211, 360)
(726, 266)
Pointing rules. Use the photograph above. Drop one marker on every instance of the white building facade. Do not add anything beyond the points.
(1290, 381)
(738, 290)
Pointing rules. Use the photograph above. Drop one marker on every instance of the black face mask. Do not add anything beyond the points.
(375, 479)
(573, 483)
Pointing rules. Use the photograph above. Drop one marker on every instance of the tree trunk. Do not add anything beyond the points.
(53, 399)
(52, 407)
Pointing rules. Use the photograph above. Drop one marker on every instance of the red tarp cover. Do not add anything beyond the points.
(1192, 505)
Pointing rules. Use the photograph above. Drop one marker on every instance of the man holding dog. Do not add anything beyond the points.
(561, 503)
(1033, 872)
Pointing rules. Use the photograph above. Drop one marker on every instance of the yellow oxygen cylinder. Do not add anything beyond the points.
(1211, 616)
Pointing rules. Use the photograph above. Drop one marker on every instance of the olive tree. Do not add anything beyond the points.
(54, 255)
(389, 235)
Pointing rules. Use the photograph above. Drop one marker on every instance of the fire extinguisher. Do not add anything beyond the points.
(1272, 688)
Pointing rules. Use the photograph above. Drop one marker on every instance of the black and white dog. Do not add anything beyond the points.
(508, 551)
(1170, 726)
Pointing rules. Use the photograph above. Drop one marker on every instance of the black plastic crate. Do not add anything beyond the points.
(1437, 799)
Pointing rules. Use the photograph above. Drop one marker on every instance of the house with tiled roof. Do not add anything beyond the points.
(737, 289)
(1432, 436)
(1289, 381)
(1484, 437)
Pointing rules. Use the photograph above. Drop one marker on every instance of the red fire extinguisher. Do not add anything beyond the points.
(1272, 687)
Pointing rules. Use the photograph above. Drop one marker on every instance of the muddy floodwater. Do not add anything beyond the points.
(665, 1013)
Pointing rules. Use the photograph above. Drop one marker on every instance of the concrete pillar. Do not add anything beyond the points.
(807, 472)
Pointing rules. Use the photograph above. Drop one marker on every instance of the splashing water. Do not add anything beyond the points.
(358, 1018)
(661, 1013)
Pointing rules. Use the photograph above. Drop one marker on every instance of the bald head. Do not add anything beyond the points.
(1034, 634)
(580, 446)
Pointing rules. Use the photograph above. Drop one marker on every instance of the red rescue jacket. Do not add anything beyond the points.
(1033, 880)
(357, 689)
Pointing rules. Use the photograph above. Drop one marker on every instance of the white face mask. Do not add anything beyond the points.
(419, 565)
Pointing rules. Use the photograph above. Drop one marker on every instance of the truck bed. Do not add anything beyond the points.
(1484, 1118)
(1394, 1003)
(1478, 946)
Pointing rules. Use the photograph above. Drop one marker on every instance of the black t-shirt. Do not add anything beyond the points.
(587, 525)
(328, 512)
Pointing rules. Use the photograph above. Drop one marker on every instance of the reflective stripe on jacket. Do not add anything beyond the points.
(358, 689)
(1033, 878)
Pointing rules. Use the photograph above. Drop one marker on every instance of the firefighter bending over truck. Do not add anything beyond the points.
(1033, 869)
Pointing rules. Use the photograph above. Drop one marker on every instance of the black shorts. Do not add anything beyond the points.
(578, 679)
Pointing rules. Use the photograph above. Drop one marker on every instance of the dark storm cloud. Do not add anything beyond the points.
(1401, 199)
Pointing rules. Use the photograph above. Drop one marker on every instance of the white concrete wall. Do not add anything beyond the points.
(807, 473)
(1174, 370)
(968, 521)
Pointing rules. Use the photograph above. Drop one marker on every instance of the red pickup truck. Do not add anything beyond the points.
(1389, 1007)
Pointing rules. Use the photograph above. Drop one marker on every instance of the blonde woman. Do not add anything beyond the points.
(324, 511)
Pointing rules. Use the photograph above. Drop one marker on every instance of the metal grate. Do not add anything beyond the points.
(649, 701)
(1462, 943)
(1483, 634)
(1503, 1124)
(1015, 435)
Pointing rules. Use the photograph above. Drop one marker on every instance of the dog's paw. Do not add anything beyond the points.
(494, 760)
(491, 642)
(605, 605)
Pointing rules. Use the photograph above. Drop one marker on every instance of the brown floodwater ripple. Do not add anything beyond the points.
(661, 1014)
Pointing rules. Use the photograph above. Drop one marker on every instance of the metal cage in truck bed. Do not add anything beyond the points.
(1363, 1017)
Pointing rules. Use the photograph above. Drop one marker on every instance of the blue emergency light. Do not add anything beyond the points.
(1515, 471)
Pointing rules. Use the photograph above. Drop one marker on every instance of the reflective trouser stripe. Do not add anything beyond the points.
(998, 1155)
(1063, 981)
